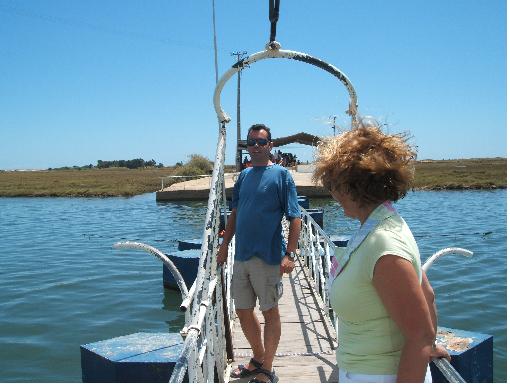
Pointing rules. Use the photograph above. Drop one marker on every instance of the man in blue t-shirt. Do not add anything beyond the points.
(262, 195)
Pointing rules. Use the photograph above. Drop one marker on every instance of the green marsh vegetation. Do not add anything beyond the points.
(487, 173)
(94, 182)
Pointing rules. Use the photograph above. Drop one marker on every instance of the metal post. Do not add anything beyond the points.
(239, 153)
(334, 124)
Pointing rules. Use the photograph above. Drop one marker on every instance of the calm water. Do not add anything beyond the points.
(63, 285)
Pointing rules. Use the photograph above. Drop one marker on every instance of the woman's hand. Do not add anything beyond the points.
(438, 352)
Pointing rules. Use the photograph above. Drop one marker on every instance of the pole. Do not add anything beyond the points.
(239, 153)
(334, 124)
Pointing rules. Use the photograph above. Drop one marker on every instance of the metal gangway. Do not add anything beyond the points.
(212, 341)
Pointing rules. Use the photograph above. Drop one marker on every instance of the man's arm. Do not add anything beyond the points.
(287, 265)
(230, 230)
(294, 230)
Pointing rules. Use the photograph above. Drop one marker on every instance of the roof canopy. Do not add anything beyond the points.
(301, 138)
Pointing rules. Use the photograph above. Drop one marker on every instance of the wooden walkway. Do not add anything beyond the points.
(306, 350)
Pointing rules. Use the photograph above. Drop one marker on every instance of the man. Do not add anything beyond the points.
(262, 195)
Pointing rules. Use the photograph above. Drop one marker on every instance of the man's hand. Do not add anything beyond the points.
(222, 254)
(286, 266)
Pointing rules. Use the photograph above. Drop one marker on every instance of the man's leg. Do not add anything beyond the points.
(268, 287)
(272, 332)
(245, 300)
(251, 328)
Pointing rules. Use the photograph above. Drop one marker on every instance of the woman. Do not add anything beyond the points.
(385, 304)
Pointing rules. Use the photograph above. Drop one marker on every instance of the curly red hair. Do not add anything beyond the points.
(368, 165)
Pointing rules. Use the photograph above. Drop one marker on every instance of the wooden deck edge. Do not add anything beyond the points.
(328, 325)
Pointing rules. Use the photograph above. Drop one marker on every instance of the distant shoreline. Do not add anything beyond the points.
(433, 175)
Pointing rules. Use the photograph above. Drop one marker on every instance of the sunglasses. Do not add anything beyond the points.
(260, 142)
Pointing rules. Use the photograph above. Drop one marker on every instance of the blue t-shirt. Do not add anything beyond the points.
(262, 195)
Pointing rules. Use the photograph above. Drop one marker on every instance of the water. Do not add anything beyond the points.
(62, 284)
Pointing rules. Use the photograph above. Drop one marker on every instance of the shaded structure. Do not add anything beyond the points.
(301, 138)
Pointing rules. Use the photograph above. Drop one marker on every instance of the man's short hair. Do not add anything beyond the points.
(258, 127)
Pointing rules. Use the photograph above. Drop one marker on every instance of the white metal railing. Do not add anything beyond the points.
(315, 251)
(208, 305)
(207, 349)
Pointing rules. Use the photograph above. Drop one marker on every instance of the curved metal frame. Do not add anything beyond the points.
(273, 52)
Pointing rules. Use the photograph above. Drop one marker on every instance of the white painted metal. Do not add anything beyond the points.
(160, 255)
(284, 54)
(204, 351)
(315, 250)
(445, 251)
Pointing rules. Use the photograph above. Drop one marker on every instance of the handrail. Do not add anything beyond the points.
(160, 255)
(316, 250)
(192, 333)
(448, 371)
(209, 314)
(274, 52)
(443, 252)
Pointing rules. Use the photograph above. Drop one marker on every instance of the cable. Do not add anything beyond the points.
(215, 45)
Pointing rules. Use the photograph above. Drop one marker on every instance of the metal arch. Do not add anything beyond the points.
(271, 53)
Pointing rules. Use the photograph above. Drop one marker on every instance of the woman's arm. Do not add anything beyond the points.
(399, 288)
(428, 291)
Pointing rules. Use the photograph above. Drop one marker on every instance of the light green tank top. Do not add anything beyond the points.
(369, 340)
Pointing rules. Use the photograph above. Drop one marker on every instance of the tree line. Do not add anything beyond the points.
(131, 164)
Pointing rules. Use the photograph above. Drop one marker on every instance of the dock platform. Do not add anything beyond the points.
(198, 189)
(306, 350)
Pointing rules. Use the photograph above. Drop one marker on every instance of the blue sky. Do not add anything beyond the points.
(82, 81)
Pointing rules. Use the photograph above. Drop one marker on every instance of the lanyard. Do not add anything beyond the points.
(378, 215)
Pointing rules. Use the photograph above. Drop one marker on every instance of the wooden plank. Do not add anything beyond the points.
(306, 352)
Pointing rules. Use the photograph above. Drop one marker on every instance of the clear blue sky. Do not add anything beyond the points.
(82, 81)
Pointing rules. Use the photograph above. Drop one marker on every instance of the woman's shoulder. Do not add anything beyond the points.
(393, 227)
(393, 235)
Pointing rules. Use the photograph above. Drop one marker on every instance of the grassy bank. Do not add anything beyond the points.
(437, 174)
(90, 182)
(461, 174)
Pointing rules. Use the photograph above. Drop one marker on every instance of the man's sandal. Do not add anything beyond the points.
(270, 375)
(243, 371)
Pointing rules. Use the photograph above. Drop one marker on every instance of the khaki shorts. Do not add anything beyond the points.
(254, 279)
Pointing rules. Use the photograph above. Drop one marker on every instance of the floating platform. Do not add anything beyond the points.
(137, 358)
(306, 352)
(199, 189)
